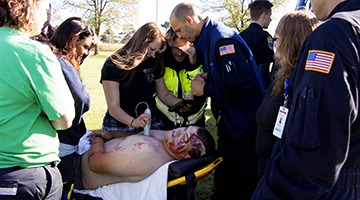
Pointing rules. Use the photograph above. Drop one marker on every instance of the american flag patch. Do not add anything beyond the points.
(320, 61)
(227, 49)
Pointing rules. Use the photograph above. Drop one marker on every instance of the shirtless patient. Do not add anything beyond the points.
(113, 158)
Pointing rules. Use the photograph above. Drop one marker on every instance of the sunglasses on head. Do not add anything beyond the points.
(86, 30)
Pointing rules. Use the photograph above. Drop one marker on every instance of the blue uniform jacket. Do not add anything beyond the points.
(81, 97)
(261, 45)
(235, 80)
(318, 156)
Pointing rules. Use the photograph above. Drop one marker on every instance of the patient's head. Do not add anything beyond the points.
(190, 142)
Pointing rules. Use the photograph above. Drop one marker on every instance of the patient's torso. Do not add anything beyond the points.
(139, 157)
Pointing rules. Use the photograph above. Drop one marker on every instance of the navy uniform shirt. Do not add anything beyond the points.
(235, 80)
(238, 75)
(261, 45)
(318, 156)
(81, 97)
(238, 86)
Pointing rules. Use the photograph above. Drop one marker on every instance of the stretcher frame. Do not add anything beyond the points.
(199, 174)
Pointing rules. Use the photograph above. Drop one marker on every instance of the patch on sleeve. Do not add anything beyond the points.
(320, 61)
(227, 49)
(270, 42)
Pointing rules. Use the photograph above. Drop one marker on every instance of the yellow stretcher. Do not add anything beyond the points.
(182, 174)
(199, 174)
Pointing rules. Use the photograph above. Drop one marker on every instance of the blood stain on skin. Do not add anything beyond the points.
(96, 153)
(182, 144)
(179, 150)
(120, 148)
(172, 145)
(138, 145)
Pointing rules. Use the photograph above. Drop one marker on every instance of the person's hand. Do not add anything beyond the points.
(141, 121)
(106, 135)
(197, 86)
(95, 41)
(190, 51)
(185, 108)
(205, 76)
(92, 138)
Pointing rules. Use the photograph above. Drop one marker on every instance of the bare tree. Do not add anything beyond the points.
(234, 13)
(114, 14)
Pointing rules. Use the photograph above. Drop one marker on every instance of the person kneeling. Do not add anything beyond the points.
(113, 158)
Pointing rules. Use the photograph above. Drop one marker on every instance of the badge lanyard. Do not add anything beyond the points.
(282, 114)
(286, 92)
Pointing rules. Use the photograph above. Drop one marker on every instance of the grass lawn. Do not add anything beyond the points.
(90, 74)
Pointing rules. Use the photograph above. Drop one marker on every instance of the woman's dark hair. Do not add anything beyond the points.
(134, 51)
(67, 35)
(170, 36)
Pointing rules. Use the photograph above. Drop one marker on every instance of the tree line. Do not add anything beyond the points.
(105, 14)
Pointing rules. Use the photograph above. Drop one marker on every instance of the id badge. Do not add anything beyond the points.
(280, 121)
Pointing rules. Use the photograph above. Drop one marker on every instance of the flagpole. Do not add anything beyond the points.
(156, 11)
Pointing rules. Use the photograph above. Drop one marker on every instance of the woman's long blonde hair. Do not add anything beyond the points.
(293, 28)
(134, 51)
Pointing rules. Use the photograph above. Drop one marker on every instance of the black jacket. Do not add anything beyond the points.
(318, 156)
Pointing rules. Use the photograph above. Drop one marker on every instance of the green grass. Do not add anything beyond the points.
(204, 186)
(90, 74)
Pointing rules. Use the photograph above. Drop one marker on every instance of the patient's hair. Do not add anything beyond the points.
(208, 141)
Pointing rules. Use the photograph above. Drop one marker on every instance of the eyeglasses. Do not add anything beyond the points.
(175, 49)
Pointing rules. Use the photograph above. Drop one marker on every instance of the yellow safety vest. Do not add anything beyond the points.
(172, 83)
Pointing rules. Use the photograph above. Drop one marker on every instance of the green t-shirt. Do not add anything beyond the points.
(31, 81)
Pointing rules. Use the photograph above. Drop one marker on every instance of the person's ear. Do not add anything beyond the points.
(185, 155)
(263, 16)
(189, 19)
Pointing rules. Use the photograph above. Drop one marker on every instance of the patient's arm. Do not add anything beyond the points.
(96, 149)
(109, 134)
